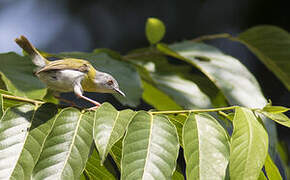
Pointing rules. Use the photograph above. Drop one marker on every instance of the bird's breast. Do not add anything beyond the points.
(61, 80)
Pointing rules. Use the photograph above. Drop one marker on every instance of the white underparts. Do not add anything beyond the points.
(63, 80)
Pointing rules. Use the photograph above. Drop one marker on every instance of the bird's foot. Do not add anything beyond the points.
(94, 108)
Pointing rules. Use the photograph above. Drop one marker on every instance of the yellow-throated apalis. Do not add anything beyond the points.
(70, 75)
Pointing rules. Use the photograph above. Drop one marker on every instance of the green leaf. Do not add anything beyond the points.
(155, 30)
(271, 169)
(110, 126)
(17, 73)
(67, 147)
(235, 81)
(271, 45)
(278, 117)
(157, 72)
(1, 105)
(206, 147)
(178, 121)
(249, 146)
(40, 128)
(158, 99)
(150, 148)
(262, 176)
(177, 175)
(116, 152)
(126, 75)
(96, 171)
(14, 126)
(184, 92)
(225, 71)
(275, 109)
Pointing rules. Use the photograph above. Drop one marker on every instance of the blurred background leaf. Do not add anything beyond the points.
(271, 45)
(17, 73)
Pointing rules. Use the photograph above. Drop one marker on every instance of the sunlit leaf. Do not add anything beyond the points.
(184, 92)
(155, 30)
(109, 127)
(14, 126)
(150, 148)
(206, 147)
(17, 73)
(234, 80)
(271, 169)
(40, 128)
(249, 146)
(67, 147)
(278, 117)
(275, 109)
(271, 45)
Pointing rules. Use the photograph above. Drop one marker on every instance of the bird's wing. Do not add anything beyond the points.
(74, 64)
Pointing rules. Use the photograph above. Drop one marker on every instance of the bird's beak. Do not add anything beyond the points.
(119, 92)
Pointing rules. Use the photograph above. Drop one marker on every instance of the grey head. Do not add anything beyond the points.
(107, 83)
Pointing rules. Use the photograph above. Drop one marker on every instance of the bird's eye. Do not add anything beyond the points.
(110, 82)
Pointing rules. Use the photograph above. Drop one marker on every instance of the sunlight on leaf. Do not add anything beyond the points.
(150, 148)
(206, 147)
(249, 146)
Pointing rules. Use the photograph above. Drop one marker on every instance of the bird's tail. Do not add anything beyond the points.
(37, 58)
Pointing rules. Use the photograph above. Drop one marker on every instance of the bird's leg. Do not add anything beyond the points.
(67, 101)
(91, 101)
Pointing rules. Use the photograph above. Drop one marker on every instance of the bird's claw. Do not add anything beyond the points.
(94, 108)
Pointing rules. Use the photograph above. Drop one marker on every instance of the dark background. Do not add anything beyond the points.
(83, 25)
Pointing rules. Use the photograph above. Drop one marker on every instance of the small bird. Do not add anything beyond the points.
(70, 75)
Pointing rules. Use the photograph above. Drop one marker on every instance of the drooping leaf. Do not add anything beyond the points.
(109, 127)
(275, 109)
(271, 169)
(249, 146)
(42, 122)
(271, 45)
(14, 126)
(150, 148)
(278, 117)
(155, 30)
(96, 171)
(206, 147)
(230, 76)
(17, 73)
(126, 75)
(67, 147)
(180, 87)
(234, 80)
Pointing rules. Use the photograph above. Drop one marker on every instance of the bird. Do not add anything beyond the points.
(70, 75)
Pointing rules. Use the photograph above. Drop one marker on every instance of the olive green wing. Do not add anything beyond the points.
(74, 64)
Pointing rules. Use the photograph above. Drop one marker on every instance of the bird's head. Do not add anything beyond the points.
(105, 83)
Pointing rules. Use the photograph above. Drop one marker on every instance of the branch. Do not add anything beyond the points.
(22, 99)
(195, 110)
